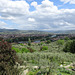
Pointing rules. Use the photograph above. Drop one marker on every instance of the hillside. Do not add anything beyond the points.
(64, 32)
(16, 31)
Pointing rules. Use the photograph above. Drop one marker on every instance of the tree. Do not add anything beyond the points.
(60, 42)
(8, 59)
(1, 38)
(70, 47)
(29, 42)
(48, 41)
(67, 47)
(66, 38)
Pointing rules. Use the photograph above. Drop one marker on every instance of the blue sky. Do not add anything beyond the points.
(37, 14)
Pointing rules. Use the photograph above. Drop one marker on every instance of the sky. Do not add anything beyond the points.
(37, 14)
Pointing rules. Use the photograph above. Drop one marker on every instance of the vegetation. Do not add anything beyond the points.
(8, 59)
(60, 42)
(48, 59)
(43, 48)
(70, 46)
(29, 42)
(42, 58)
(48, 41)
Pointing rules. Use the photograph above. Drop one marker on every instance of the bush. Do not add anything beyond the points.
(60, 42)
(21, 50)
(21, 44)
(67, 47)
(70, 47)
(16, 49)
(66, 38)
(29, 42)
(44, 48)
(30, 49)
(8, 59)
(1, 38)
(48, 41)
(41, 43)
(24, 50)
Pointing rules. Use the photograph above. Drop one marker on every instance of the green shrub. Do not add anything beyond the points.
(66, 38)
(21, 44)
(44, 48)
(29, 42)
(48, 41)
(70, 47)
(41, 43)
(67, 47)
(24, 50)
(60, 42)
(16, 49)
(21, 50)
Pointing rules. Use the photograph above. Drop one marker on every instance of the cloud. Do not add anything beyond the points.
(34, 4)
(2, 24)
(31, 19)
(46, 15)
(68, 1)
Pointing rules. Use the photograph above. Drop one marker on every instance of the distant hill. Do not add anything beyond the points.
(8, 30)
(16, 31)
(64, 32)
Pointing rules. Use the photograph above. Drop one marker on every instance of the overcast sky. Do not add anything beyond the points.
(37, 14)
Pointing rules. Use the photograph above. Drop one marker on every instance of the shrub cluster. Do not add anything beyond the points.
(30, 49)
(60, 42)
(67, 47)
(44, 48)
(8, 59)
(23, 50)
(70, 47)
(48, 41)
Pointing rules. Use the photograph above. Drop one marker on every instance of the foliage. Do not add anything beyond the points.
(25, 50)
(16, 49)
(41, 43)
(66, 38)
(44, 48)
(33, 72)
(70, 47)
(63, 70)
(48, 41)
(30, 49)
(8, 59)
(60, 42)
(20, 50)
(21, 44)
(1, 38)
(29, 42)
(48, 60)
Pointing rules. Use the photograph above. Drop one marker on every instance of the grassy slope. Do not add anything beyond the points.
(53, 56)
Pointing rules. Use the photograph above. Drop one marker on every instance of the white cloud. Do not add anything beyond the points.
(34, 4)
(2, 24)
(68, 1)
(31, 19)
(46, 15)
